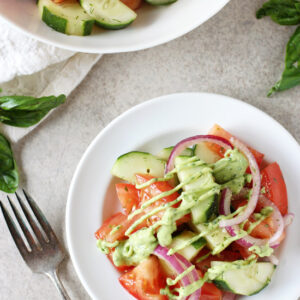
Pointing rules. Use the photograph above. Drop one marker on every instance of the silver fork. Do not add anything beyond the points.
(44, 256)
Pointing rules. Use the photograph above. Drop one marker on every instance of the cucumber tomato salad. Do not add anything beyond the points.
(200, 220)
(77, 17)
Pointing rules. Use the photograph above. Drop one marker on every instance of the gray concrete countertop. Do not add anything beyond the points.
(232, 54)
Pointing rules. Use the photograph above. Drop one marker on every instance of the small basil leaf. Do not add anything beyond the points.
(283, 12)
(23, 111)
(9, 177)
(291, 74)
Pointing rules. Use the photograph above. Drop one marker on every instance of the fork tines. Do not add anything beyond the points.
(37, 232)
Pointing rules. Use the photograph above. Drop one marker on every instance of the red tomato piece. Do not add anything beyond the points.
(273, 182)
(219, 131)
(118, 219)
(128, 196)
(265, 229)
(226, 255)
(145, 280)
(244, 252)
(133, 4)
(209, 291)
(153, 190)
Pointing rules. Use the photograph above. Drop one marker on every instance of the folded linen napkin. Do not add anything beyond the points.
(30, 67)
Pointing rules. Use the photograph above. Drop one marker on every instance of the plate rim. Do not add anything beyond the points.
(109, 50)
(107, 128)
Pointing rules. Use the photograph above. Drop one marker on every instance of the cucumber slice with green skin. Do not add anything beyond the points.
(202, 184)
(205, 210)
(190, 251)
(246, 280)
(129, 164)
(109, 14)
(165, 153)
(205, 154)
(160, 2)
(217, 240)
(68, 17)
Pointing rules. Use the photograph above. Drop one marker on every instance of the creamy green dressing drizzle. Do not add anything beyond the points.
(212, 226)
(184, 291)
(151, 213)
(105, 246)
(115, 229)
(203, 257)
(162, 195)
(180, 276)
(259, 217)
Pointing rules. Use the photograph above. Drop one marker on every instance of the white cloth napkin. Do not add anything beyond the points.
(29, 67)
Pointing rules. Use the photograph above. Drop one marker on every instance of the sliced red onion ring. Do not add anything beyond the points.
(255, 190)
(248, 240)
(179, 264)
(188, 142)
(196, 295)
(228, 296)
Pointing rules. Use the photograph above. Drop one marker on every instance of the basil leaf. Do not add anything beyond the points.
(9, 177)
(283, 12)
(24, 111)
(291, 74)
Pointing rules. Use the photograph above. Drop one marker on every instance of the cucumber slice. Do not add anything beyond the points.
(205, 154)
(192, 250)
(203, 183)
(165, 153)
(109, 14)
(247, 280)
(205, 210)
(67, 17)
(160, 2)
(217, 240)
(129, 164)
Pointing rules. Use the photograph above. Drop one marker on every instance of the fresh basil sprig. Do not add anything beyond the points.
(9, 178)
(283, 12)
(25, 111)
(291, 74)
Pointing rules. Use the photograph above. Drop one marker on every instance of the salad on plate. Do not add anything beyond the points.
(77, 17)
(201, 220)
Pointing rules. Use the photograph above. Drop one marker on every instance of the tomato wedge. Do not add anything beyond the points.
(209, 291)
(128, 196)
(145, 280)
(226, 255)
(273, 182)
(118, 219)
(153, 190)
(219, 131)
(133, 4)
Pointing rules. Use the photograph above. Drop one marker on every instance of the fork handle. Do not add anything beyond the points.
(58, 284)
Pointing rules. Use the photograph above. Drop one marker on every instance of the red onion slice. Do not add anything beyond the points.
(188, 142)
(255, 190)
(172, 261)
(179, 264)
(196, 295)
(224, 209)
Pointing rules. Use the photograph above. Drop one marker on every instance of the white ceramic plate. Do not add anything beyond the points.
(154, 26)
(150, 127)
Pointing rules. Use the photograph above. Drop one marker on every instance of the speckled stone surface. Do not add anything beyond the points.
(232, 54)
